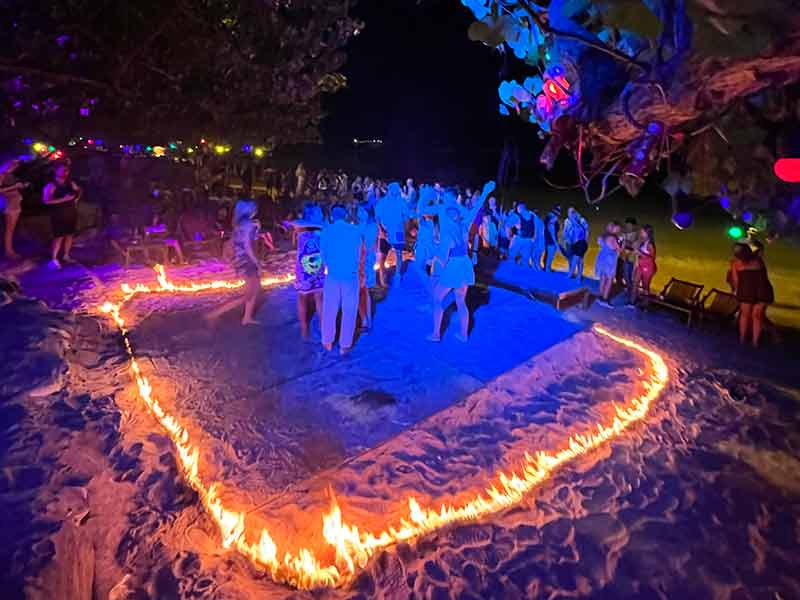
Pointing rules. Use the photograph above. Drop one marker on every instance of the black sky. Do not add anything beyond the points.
(418, 82)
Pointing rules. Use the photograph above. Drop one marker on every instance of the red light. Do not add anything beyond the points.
(90, 141)
(788, 169)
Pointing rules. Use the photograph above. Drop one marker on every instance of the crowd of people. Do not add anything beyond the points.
(345, 228)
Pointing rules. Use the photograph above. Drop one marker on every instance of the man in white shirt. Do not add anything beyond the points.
(392, 214)
(340, 248)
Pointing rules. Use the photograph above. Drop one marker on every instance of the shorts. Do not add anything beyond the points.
(64, 219)
(579, 248)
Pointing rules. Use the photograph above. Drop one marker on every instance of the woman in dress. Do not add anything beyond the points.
(605, 267)
(457, 272)
(645, 267)
(62, 195)
(245, 263)
(753, 290)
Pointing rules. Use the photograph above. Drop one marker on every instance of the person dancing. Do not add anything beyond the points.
(369, 233)
(245, 263)
(62, 195)
(457, 272)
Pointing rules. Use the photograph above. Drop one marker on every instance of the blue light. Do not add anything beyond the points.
(747, 216)
(725, 202)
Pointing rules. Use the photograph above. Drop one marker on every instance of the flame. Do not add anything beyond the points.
(352, 547)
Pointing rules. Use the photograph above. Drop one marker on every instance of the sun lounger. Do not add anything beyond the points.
(680, 296)
(719, 307)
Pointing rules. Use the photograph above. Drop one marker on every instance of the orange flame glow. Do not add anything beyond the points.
(353, 548)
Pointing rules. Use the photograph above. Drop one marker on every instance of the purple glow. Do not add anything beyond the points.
(725, 202)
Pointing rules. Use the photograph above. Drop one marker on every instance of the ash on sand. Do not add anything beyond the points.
(700, 501)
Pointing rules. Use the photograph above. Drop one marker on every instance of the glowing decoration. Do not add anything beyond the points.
(642, 152)
(735, 232)
(137, 148)
(99, 142)
(351, 546)
(247, 148)
(85, 111)
(57, 155)
(51, 148)
(747, 216)
(189, 150)
(682, 219)
(725, 202)
(788, 169)
(39, 147)
(159, 151)
(90, 141)
(148, 148)
(202, 140)
(172, 146)
(259, 152)
(219, 149)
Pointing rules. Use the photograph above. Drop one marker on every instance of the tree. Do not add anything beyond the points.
(235, 69)
(705, 90)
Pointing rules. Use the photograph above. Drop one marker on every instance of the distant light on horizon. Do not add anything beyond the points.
(367, 141)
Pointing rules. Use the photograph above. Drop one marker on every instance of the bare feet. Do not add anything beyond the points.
(462, 338)
(433, 338)
(250, 322)
(343, 350)
(328, 347)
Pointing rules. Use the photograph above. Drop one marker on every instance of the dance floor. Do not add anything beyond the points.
(282, 409)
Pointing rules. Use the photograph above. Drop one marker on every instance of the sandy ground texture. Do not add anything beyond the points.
(700, 501)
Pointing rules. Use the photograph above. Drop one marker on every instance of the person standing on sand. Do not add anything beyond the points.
(245, 263)
(522, 246)
(309, 273)
(340, 247)
(605, 266)
(10, 203)
(551, 227)
(369, 233)
(753, 290)
(645, 262)
(62, 195)
(457, 272)
(576, 232)
(392, 214)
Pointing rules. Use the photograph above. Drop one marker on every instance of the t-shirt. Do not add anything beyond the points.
(309, 274)
(340, 247)
(392, 213)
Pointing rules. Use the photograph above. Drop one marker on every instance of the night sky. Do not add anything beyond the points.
(418, 82)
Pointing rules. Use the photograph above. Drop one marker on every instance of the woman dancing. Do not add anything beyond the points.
(457, 272)
(245, 232)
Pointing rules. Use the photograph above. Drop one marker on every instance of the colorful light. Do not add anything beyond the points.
(159, 151)
(259, 152)
(247, 148)
(189, 150)
(788, 169)
(39, 147)
(148, 148)
(172, 146)
(735, 232)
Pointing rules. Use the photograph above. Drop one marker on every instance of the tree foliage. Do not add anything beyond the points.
(636, 87)
(232, 68)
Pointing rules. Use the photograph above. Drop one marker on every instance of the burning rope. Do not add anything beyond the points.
(353, 548)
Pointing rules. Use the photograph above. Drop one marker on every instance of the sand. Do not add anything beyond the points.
(699, 501)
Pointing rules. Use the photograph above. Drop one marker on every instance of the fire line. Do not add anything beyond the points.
(353, 548)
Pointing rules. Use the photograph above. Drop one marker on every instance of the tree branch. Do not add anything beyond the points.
(620, 56)
(10, 67)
